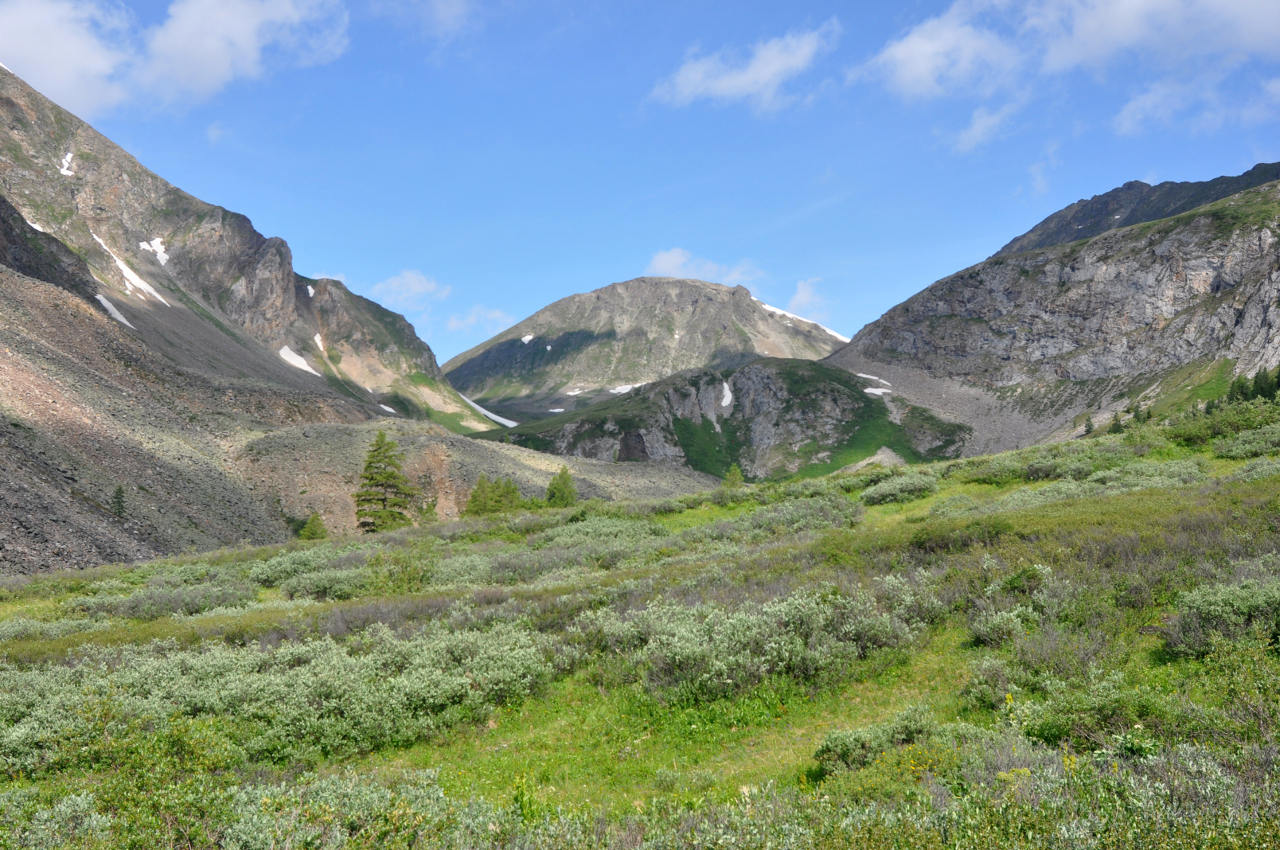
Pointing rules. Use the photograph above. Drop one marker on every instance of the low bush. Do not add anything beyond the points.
(900, 488)
(326, 584)
(1228, 611)
(850, 749)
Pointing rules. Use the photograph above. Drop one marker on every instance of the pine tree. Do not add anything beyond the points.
(1088, 425)
(560, 492)
(1116, 427)
(313, 528)
(1264, 384)
(1241, 389)
(117, 501)
(385, 497)
(733, 478)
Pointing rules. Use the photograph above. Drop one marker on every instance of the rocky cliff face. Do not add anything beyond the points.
(772, 417)
(1019, 346)
(587, 347)
(197, 281)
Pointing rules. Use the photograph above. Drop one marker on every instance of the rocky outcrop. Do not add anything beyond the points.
(196, 281)
(771, 417)
(1019, 346)
(587, 347)
(1134, 203)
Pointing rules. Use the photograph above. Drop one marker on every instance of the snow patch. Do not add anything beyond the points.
(873, 378)
(291, 357)
(548, 348)
(782, 312)
(387, 409)
(319, 342)
(624, 388)
(65, 168)
(556, 410)
(112, 311)
(131, 278)
(156, 246)
(495, 417)
(6, 67)
(727, 398)
(311, 291)
(526, 339)
(877, 391)
(574, 392)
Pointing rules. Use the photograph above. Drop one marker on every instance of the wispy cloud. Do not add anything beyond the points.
(409, 290)
(806, 301)
(996, 53)
(984, 125)
(90, 55)
(488, 319)
(756, 76)
(944, 55)
(440, 19)
(677, 262)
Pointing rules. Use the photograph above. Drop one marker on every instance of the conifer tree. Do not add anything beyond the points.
(1116, 426)
(313, 528)
(1241, 389)
(733, 478)
(117, 501)
(1264, 384)
(560, 492)
(385, 497)
(1088, 425)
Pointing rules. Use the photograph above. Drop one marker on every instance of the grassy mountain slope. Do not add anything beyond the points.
(1069, 644)
(771, 417)
(581, 348)
(1134, 203)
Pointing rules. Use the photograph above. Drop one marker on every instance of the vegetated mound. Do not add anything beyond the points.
(1073, 644)
(771, 417)
(193, 281)
(585, 347)
(1133, 203)
(316, 468)
(1021, 347)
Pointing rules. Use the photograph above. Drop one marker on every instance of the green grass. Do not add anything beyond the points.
(1027, 732)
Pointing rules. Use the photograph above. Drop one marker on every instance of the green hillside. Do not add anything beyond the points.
(1072, 643)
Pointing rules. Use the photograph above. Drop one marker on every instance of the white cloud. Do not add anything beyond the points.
(89, 55)
(72, 50)
(757, 78)
(677, 262)
(1077, 33)
(1176, 55)
(487, 319)
(205, 44)
(983, 126)
(409, 291)
(806, 301)
(440, 19)
(944, 54)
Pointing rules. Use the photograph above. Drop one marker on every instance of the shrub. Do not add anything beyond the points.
(990, 684)
(1254, 443)
(996, 628)
(900, 488)
(286, 565)
(850, 749)
(313, 528)
(326, 584)
(1230, 611)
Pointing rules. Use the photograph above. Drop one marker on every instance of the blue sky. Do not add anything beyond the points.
(467, 162)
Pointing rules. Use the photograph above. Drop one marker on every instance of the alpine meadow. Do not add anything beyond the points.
(659, 565)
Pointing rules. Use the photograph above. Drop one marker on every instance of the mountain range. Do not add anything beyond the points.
(160, 344)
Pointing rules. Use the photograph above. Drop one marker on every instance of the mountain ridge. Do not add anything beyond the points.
(587, 346)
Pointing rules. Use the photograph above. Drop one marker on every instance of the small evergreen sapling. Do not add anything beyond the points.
(313, 528)
(561, 493)
(733, 478)
(117, 501)
(385, 497)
